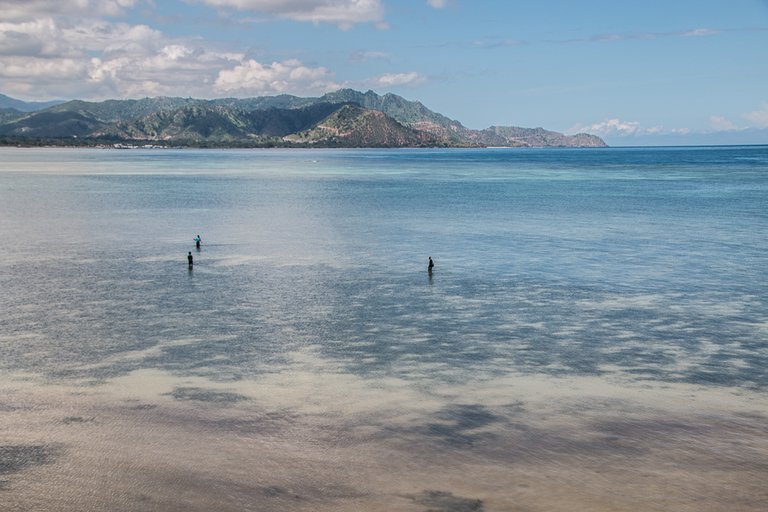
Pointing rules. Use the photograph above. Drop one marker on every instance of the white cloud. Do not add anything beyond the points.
(632, 131)
(721, 124)
(28, 38)
(758, 118)
(640, 36)
(617, 128)
(498, 43)
(438, 4)
(344, 13)
(14, 10)
(42, 69)
(365, 56)
(396, 79)
(50, 38)
(291, 76)
(609, 127)
(60, 57)
(86, 56)
(700, 32)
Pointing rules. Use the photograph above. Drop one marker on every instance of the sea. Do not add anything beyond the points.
(593, 337)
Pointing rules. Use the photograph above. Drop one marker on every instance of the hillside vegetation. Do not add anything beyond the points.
(344, 118)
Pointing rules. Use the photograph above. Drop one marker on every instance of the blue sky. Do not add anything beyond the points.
(634, 72)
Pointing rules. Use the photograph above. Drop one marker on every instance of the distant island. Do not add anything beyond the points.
(342, 119)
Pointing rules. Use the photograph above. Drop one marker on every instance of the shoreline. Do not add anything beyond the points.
(323, 147)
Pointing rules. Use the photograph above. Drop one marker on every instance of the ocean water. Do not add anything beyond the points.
(594, 335)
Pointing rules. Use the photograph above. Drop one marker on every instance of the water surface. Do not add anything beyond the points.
(590, 311)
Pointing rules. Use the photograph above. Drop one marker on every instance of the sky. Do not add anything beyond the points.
(634, 72)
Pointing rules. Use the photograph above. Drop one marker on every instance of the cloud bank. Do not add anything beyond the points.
(52, 49)
(621, 132)
(396, 79)
(254, 78)
(344, 13)
(15, 10)
(759, 117)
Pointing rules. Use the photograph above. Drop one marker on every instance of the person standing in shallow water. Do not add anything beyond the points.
(197, 241)
(431, 265)
(190, 259)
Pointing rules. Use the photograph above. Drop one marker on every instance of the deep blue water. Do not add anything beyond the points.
(642, 263)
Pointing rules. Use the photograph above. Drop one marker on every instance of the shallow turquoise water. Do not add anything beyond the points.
(643, 263)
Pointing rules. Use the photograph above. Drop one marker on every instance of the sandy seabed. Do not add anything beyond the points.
(308, 440)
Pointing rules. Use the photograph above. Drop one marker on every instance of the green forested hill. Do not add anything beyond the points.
(354, 126)
(345, 118)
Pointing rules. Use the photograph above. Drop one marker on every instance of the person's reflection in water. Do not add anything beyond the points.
(430, 266)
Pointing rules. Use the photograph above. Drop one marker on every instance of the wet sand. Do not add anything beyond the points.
(308, 440)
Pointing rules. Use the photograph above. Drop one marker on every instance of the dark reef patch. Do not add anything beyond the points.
(441, 501)
(458, 425)
(77, 419)
(14, 458)
(206, 395)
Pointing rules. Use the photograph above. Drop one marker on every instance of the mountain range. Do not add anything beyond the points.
(344, 118)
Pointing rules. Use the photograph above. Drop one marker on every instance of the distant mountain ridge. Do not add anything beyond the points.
(344, 118)
(6, 102)
(363, 128)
